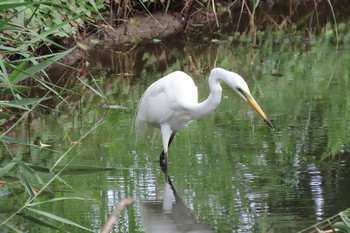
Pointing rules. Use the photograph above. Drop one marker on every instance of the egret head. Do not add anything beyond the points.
(237, 83)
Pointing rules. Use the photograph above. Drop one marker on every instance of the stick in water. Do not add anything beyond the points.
(113, 219)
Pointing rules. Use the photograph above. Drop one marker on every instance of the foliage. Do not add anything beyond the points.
(27, 30)
(336, 223)
(23, 21)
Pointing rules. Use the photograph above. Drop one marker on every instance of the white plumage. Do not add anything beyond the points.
(171, 102)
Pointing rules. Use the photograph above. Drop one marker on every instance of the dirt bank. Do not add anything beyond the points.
(141, 26)
(199, 21)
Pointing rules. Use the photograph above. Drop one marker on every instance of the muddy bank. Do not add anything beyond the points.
(141, 27)
(197, 22)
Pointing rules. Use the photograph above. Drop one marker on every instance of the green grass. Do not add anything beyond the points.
(27, 29)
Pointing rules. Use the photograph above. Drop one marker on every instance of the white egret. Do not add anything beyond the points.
(171, 102)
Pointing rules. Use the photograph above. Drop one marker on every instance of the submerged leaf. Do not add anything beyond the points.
(81, 168)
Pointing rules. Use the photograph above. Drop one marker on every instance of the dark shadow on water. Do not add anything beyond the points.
(170, 214)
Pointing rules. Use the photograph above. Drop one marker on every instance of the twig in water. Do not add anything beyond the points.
(113, 219)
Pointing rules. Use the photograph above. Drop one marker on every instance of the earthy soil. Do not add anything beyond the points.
(198, 22)
(141, 26)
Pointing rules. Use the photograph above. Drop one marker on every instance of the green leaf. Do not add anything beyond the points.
(58, 218)
(56, 199)
(93, 89)
(15, 90)
(346, 221)
(30, 171)
(10, 192)
(156, 40)
(341, 226)
(27, 185)
(30, 72)
(7, 168)
(40, 222)
(19, 70)
(346, 213)
(10, 179)
(28, 101)
(4, 138)
(11, 105)
(39, 168)
(52, 30)
(6, 5)
(4, 115)
(22, 103)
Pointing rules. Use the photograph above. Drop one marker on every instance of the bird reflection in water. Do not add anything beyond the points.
(170, 215)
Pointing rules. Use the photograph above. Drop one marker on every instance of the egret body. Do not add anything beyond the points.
(171, 102)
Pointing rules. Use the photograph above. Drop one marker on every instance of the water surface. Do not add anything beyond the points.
(232, 173)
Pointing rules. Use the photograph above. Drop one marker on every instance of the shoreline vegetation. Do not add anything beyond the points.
(38, 36)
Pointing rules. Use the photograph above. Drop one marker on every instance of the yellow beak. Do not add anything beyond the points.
(256, 106)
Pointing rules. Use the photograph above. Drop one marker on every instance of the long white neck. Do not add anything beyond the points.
(211, 103)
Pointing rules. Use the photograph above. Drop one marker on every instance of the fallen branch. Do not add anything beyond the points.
(113, 219)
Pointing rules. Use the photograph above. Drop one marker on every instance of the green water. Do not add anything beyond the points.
(232, 173)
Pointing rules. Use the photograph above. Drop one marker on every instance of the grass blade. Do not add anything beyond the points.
(22, 103)
(93, 89)
(57, 199)
(58, 218)
(7, 139)
(39, 67)
(27, 185)
(335, 21)
(7, 168)
(346, 221)
(30, 171)
(40, 222)
(52, 30)
(19, 69)
(10, 192)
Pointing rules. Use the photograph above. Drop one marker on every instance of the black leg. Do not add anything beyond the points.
(164, 167)
(162, 157)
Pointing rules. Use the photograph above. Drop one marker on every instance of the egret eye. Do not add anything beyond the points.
(243, 93)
